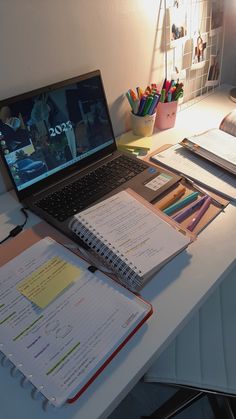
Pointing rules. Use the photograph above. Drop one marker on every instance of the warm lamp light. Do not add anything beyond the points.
(232, 94)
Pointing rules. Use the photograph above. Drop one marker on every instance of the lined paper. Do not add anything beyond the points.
(62, 346)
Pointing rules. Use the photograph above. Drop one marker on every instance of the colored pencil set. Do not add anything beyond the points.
(145, 102)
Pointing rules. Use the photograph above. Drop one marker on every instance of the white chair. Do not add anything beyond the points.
(202, 358)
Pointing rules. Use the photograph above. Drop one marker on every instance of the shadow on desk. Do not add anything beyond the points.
(167, 275)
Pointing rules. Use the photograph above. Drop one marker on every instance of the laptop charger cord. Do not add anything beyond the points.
(16, 230)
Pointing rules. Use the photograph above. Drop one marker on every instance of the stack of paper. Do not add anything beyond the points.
(195, 167)
(215, 145)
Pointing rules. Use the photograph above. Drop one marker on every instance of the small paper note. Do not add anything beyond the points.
(48, 281)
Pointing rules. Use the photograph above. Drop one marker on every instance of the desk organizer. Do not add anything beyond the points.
(142, 125)
(166, 114)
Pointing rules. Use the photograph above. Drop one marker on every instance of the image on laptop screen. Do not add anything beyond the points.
(45, 133)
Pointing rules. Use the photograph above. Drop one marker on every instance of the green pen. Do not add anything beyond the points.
(179, 94)
(130, 100)
(181, 204)
(163, 95)
(147, 105)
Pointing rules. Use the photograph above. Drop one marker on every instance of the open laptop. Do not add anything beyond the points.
(59, 148)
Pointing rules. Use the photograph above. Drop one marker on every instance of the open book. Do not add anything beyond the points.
(217, 145)
(182, 161)
(60, 323)
(131, 237)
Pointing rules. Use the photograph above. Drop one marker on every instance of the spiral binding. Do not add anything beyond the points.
(26, 380)
(128, 274)
(36, 393)
(15, 369)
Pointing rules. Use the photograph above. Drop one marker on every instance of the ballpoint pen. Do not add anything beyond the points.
(199, 214)
(181, 204)
(190, 209)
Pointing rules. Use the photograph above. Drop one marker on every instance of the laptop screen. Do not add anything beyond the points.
(50, 129)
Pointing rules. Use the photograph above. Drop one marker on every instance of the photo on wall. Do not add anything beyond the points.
(213, 71)
(199, 51)
(178, 23)
(217, 16)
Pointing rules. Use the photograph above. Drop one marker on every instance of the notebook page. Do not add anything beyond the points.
(134, 231)
(60, 347)
(217, 142)
(197, 168)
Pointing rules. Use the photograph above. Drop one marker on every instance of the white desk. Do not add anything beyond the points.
(175, 292)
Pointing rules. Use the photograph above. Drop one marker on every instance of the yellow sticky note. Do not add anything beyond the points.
(48, 281)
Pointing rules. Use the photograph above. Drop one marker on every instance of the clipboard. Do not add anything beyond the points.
(216, 207)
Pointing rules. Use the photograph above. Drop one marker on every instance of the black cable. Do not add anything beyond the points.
(16, 230)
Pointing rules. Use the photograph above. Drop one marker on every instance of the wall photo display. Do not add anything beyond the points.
(192, 35)
(178, 23)
(199, 51)
(213, 71)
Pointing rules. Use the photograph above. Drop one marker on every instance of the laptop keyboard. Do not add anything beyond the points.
(80, 194)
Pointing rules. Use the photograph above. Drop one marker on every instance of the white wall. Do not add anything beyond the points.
(229, 58)
(44, 41)
(48, 41)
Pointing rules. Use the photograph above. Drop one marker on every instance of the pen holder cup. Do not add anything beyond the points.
(166, 115)
(142, 125)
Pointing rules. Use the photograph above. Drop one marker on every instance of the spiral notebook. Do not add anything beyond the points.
(130, 236)
(61, 324)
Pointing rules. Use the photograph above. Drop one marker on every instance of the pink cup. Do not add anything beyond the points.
(166, 114)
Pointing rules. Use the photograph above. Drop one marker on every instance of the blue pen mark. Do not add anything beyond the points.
(152, 170)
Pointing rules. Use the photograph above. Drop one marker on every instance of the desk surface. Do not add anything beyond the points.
(175, 292)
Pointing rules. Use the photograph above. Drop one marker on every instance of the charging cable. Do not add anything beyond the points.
(16, 230)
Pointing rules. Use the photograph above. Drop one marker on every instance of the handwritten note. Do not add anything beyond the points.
(63, 345)
(48, 281)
